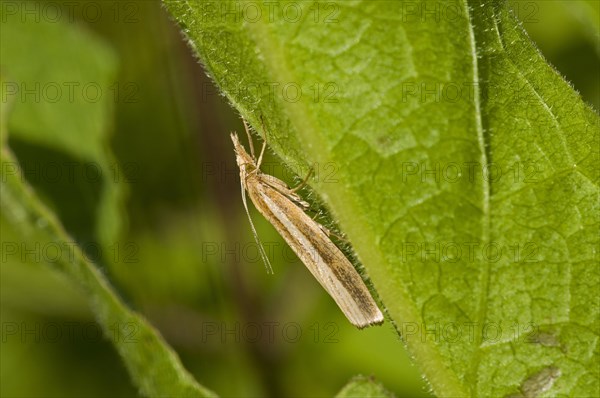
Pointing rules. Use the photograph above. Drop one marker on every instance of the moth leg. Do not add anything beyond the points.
(276, 183)
(328, 232)
(298, 200)
(303, 183)
(264, 146)
(290, 193)
(262, 151)
(283, 189)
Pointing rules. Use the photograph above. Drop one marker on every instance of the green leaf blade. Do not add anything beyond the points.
(364, 387)
(548, 139)
(413, 189)
(64, 106)
(80, 128)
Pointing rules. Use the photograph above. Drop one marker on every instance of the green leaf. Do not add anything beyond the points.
(363, 387)
(5, 105)
(153, 365)
(62, 97)
(79, 128)
(490, 278)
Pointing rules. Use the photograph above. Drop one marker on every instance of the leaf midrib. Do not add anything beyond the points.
(441, 378)
(485, 208)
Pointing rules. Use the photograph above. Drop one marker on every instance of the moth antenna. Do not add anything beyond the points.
(261, 249)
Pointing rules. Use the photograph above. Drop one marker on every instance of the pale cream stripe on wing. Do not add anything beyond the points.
(317, 265)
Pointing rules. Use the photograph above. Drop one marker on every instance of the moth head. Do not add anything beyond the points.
(244, 161)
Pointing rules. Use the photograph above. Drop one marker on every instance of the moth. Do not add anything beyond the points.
(285, 210)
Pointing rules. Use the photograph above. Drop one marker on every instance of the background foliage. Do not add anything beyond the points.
(167, 215)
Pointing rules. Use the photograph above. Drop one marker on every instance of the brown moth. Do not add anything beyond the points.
(285, 210)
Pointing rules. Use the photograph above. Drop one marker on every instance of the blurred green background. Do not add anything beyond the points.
(171, 231)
